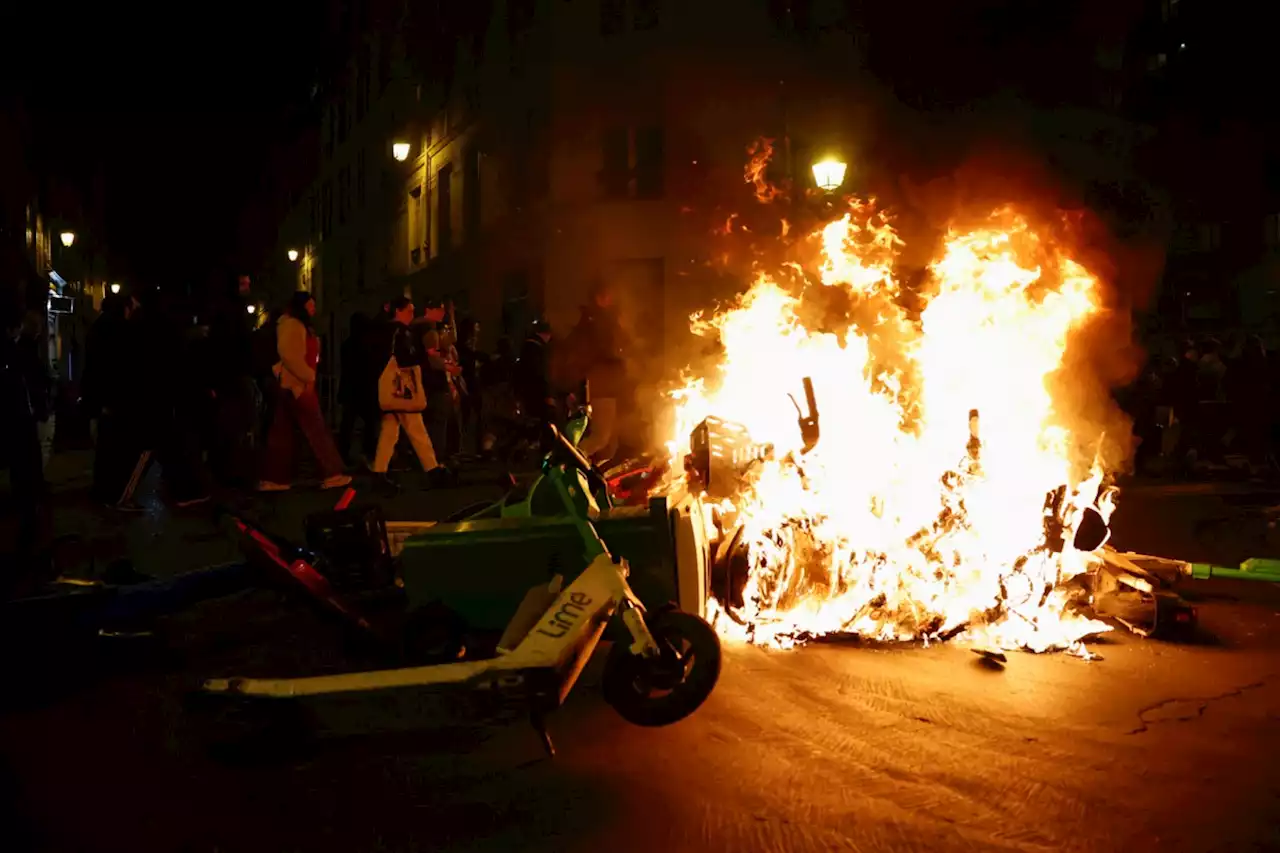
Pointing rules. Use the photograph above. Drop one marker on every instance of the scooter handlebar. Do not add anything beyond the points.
(562, 450)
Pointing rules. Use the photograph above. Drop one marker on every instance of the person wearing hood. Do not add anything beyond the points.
(297, 403)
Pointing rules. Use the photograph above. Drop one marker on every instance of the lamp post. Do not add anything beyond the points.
(400, 151)
(68, 238)
(293, 255)
(829, 173)
(115, 287)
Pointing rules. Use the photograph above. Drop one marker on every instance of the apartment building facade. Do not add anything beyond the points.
(551, 145)
(586, 142)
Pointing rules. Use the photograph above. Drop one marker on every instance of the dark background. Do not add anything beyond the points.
(174, 107)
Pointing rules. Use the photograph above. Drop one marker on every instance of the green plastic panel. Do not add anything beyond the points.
(482, 569)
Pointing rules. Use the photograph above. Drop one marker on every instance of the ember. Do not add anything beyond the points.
(943, 495)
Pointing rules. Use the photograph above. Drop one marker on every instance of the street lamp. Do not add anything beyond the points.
(293, 254)
(251, 308)
(400, 151)
(115, 287)
(828, 174)
(68, 237)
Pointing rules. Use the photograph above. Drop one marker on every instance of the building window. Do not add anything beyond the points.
(471, 193)
(361, 181)
(1210, 237)
(633, 162)
(520, 15)
(326, 210)
(363, 72)
(344, 194)
(618, 16)
(444, 208)
(384, 64)
(520, 18)
(650, 162)
(615, 171)
(361, 283)
(613, 17)
(645, 14)
(1271, 233)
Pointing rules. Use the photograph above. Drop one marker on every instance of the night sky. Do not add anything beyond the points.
(178, 106)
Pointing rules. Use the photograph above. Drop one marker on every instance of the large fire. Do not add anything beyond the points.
(925, 510)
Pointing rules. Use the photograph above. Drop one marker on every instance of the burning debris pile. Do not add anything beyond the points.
(944, 491)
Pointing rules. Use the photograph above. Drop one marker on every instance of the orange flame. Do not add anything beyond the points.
(760, 153)
(921, 513)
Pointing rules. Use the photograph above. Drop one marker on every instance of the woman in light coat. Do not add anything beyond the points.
(296, 402)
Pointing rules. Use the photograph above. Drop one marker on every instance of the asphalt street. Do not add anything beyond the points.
(831, 747)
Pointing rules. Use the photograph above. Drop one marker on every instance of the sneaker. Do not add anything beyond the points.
(337, 481)
(268, 486)
(191, 502)
(441, 477)
(385, 483)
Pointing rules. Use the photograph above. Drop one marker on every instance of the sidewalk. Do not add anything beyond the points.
(164, 541)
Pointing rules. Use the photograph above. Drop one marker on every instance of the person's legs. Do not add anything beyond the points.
(370, 426)
(388, 435)
(416, 431)
(178, 448)
(110, 458)
(277, 462)
(231, 452)
(346, 429)
(436, 418)
(306, 410)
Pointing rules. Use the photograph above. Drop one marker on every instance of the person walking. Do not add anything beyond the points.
(471, 360)
(110, 393)
(533, 375)
(230, 353)
(296, 402)
(408, 355)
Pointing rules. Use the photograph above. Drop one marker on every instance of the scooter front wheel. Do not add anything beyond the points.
(666, 689)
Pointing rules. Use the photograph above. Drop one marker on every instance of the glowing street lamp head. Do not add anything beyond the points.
(828, 174)
(252, 309)
(293, 254)
(68, 238)
(400, 151)
(115, 287)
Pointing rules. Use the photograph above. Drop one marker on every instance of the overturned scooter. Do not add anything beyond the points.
(661, 671)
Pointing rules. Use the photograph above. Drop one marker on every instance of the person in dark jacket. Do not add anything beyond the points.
(110, 392)
(230, 366)
(358, 388)
(23, 406)
(171, 397)
(408, 354)
(533, 374)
